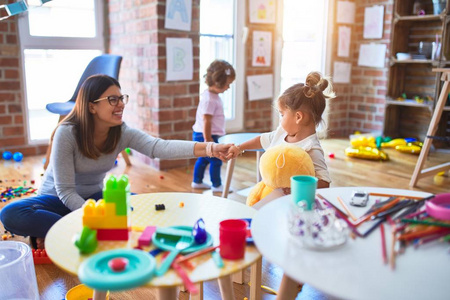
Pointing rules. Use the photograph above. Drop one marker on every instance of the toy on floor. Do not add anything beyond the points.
(366, 153)
(277, 165)
(7, 155)
(17, 156)
(40, 257)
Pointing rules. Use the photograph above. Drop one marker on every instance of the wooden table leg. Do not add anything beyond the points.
(255, 279)
(226, 184)
(168, 293)
(199, 295)
(226, 288)
(99, 295)
(288, 289)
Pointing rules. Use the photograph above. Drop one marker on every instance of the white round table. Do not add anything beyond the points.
(356, 269)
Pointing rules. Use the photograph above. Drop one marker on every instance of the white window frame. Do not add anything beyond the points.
(28, 41)
(240, 33)
(326, 59)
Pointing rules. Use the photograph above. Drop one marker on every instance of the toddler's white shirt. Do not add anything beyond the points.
(310, 144)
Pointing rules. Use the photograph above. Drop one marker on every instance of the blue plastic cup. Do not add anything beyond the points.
(303, 189)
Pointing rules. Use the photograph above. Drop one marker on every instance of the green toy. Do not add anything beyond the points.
(86, 242)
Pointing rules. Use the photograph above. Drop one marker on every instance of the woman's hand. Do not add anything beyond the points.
(222, 151)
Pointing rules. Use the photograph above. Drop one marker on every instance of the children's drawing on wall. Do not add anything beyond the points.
(260, 87)
(372, 55)
(373, 22)
(178, 14)
(262, 48)
(179, 59)
(342, 71)
(344, 36)
(345, 12)
(262, 11)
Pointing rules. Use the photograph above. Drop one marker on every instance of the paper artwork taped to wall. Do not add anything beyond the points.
(344, 36)
(262, 48)
(345, 12)
(262, 11)
(178, 14)
(179, 59)
(373, 22)
(372, 55)
(342, 71)
(260, 87)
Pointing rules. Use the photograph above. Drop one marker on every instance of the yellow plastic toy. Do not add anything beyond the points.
(277, 165)
(394, 143)
(363, 141)
(366, 153)
(409, 148)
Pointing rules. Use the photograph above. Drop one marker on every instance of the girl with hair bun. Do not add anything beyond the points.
(301, 107)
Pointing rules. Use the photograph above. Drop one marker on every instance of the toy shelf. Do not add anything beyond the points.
(414, 77)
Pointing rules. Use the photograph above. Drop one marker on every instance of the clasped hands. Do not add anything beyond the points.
(225, 152)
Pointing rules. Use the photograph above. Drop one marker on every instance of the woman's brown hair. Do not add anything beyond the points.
(218, 73)
(83, 121)
(310, 96)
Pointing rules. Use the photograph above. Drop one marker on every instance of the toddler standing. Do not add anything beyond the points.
(210, 121)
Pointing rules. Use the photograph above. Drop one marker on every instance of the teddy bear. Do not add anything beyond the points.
(277, 165)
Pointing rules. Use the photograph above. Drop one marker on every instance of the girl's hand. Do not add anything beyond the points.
(221, 151)
(234, 151)
(286, 191)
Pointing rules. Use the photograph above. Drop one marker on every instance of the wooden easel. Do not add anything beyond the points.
(418, 172)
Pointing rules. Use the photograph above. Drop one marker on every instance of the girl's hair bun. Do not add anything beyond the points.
(315, 83)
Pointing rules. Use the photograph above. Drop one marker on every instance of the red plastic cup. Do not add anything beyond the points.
(233, 235)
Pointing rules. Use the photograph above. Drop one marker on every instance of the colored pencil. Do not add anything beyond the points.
(426, 222)
(383, 244)
(422, 233)
(347, 209)
(401, 196)
(392, 262)
(383, 208)
(373, 227)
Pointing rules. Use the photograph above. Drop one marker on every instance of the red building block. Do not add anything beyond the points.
(112, 234)
(40, 257)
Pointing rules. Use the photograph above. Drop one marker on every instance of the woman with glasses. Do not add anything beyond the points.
(84, 148)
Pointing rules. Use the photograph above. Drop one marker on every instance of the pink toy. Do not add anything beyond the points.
(439, 207)
(146, 237)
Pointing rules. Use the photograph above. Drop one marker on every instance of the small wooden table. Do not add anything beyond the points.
(356, 269)
(64, 254)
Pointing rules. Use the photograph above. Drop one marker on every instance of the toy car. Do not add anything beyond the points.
(359, 198)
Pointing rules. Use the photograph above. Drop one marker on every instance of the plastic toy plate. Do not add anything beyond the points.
(168, 242)
(81, 292)
(95, 272)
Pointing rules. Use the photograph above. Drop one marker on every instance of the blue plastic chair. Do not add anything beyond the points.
(104, 64)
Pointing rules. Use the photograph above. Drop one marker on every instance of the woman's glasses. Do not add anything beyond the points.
(114, 100)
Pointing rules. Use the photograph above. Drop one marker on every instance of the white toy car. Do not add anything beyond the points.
(359, 198)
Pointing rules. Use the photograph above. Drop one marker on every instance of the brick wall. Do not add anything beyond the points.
(257, 114)
(13, 130)
(360, 105)
(160, 108)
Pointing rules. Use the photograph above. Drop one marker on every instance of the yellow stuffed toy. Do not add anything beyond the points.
(277, 165)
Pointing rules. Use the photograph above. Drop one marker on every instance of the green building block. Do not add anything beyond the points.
(117, 190)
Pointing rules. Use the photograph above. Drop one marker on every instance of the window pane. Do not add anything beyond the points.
(62, 18)
(216, 17)
(51, 76)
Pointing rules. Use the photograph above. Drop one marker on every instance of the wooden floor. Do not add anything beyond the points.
(396, 173)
